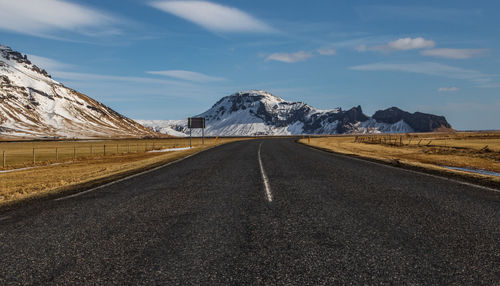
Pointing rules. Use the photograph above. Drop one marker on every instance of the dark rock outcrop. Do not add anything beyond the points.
(420, 122)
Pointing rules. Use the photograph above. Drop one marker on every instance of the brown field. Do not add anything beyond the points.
(27, 154)
(472, 150)
(48, 175)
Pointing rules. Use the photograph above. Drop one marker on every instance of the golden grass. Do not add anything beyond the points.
(48, 179)
(474, 150)
(20, 154)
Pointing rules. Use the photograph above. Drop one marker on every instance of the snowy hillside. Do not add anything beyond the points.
(33, 105)
(257, 112)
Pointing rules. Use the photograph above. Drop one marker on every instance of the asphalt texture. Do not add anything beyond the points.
(207, 221)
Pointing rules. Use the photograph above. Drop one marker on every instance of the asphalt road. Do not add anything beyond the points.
(320, 219)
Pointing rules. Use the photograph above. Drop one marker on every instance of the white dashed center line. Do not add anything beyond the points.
(269, 195)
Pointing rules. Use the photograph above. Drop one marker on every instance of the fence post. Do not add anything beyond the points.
(104, 149)
(33, 155)
(74, 153)
(3, 159)
(57, 155)
(116, 149)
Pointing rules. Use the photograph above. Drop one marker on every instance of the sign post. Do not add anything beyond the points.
(196, 122)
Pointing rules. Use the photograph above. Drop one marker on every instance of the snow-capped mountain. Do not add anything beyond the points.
(34, 105)
(257, 112)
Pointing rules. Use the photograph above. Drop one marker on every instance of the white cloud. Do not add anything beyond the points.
(490, 85)
(429, 68)
(77, 76)
(213, 17)
(454, 53)
(361, 48)
(187, 75)
(39, 17)
(448, 89)
(402, 44)
(46, 63)
(289, 57)
(327, 52)
(61, 70)
(407, 13)
(405, 44)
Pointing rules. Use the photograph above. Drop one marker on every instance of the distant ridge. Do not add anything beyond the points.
(257, 112)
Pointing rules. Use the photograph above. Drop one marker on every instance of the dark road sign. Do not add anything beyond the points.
(196, 122)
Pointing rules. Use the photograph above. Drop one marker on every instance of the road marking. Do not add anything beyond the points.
(4, 218)
(408, 170)
(129, 177)
(269, 195)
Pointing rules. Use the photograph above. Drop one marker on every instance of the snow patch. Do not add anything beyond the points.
(169, 150)
(256, 112)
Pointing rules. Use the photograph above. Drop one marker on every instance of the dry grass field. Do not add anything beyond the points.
(49, 175)
(470, 150)
(30, 153)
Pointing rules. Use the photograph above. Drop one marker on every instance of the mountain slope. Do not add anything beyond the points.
(257, 112)
(34, 105)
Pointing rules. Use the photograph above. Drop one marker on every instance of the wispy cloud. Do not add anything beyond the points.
(187, 75)
(65, 71)
(327, 51)
(416, 13)
(360, 41)
(214, 17)
(77, 76)
(430, 68)
(43, 17)
(454, 53)
(405, 44)
(47, 63)
(448, 89)
(299, 56)
(402, 44)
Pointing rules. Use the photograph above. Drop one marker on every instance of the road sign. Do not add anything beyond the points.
(196, 122)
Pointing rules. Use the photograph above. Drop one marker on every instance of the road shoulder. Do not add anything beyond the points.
(479, 180)
(131, 170)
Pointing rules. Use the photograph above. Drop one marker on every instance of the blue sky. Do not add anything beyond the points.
(173, 59)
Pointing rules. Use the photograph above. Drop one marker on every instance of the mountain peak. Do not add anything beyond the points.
(33, 105)
(257, 112)
(258, 93)
(21, 62)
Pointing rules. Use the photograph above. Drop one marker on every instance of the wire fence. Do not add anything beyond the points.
(15, 155)
(481, 143)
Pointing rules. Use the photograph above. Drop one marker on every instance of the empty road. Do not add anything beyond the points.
(259, 212)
